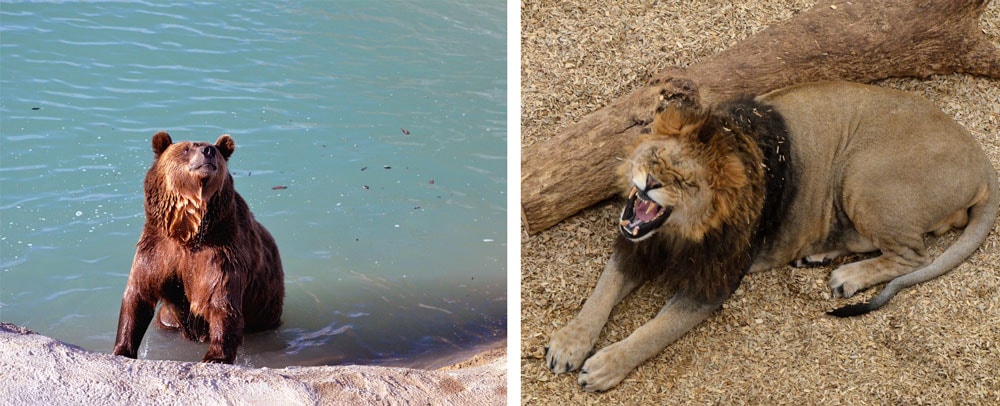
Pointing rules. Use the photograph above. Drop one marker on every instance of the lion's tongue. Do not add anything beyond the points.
(642, 213)
(645, 210)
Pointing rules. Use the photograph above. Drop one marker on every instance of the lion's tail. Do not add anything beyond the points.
(981, 219)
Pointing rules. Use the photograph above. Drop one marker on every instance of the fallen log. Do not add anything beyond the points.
(859, 41)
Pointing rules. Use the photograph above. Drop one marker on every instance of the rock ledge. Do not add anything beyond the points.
(41, 370)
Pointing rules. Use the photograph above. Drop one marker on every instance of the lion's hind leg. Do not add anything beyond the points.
(847, 242)
(900, 257)
(878, 225)
(569, 346)
(851, 278)
(956, 220)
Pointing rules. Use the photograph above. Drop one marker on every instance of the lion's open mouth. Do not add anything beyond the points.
(641, 214)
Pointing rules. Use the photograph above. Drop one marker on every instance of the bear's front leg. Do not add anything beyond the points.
(133, 319)
(225, 331)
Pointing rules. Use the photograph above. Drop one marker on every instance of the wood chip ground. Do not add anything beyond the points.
(772, 343)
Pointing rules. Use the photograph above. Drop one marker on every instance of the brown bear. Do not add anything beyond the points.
(201, 254)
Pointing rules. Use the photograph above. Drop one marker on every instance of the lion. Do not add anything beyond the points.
(800, 176)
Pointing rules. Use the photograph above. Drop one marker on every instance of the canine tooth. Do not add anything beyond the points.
(651, 208)
(624, 223)
(634, 231)
(632, 193)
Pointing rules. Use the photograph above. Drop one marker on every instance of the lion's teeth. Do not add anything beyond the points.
(624, 223)
(650, 209)
(632, 194)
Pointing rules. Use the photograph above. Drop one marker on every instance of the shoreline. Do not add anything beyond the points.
(43, 370)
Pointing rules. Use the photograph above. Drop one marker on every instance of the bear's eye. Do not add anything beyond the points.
(186, 149)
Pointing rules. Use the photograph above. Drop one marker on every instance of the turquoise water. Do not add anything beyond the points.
(393, 244)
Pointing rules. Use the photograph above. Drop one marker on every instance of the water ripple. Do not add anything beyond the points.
(23, 167)
(73, 290)
(110, 43)
(77, 95)
(182, 68)
(128, 91)
(200, 33)
(51, 62)
(316, 338)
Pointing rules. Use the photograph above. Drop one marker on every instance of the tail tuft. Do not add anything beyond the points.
(852, 310)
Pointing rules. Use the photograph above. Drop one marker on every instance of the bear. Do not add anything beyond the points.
(214, 270)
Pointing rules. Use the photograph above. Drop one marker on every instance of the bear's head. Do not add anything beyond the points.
(183, 180)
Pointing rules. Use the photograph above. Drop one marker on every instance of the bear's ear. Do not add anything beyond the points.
(161, 141)
(225, 145)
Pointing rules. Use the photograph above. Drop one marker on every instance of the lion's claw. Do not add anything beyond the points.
(604, 370)
(567, 350)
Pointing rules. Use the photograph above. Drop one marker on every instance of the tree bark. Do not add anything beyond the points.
(859, 41)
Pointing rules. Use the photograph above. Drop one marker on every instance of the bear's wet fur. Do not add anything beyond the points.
(213, 268)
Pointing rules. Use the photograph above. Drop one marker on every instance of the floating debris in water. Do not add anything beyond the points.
(387, 167)
(405, 131)
(279, 187)
(363, 169)
(39, 108)
(431, 181)
(366, 187)
(431, 307)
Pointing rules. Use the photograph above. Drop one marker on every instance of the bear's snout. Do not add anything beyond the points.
(208, 151)
(204, 160)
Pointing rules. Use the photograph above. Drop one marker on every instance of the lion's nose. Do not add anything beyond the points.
(652, 183)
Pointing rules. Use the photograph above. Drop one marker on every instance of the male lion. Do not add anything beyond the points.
(803, 174)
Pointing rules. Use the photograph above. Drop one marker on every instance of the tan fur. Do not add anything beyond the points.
(907, 169)
(674, 121)
(890, 163)
(185, 218)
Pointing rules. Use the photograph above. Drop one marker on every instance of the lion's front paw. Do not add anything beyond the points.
(568, 348)
(604, 370)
